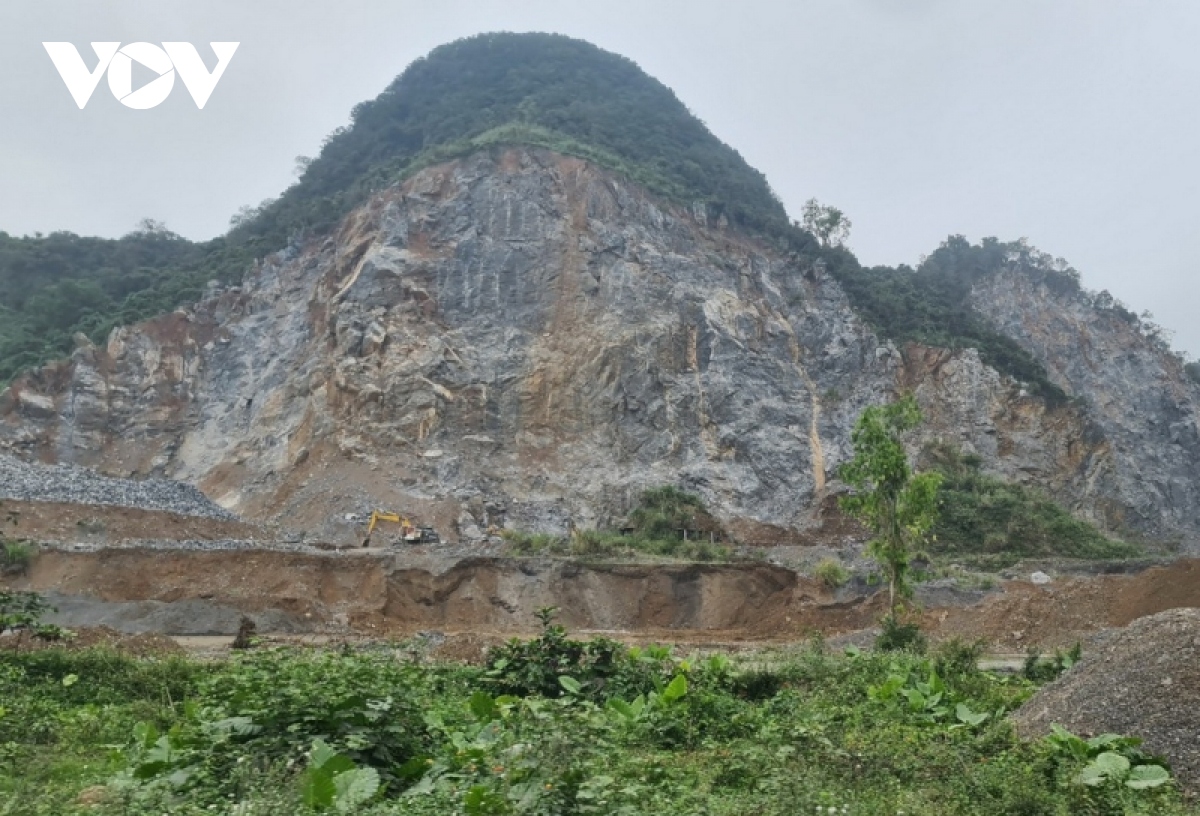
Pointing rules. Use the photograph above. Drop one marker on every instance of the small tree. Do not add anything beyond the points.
(897, 505)
(15, 554)
(829, 224)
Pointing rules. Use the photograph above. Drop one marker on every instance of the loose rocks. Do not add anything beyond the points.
(1143, 681)
(26, 481)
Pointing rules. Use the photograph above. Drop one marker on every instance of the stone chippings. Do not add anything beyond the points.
(1143, 680)
(27, 481)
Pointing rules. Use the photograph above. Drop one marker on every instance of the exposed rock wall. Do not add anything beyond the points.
(522, 339)
(1134, 391)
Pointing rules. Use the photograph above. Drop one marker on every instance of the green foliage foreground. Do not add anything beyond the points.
(549, 726)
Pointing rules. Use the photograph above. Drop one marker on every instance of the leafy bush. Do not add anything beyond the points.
(954, 658)
(332, 780)
(831, 573)
(600, 666)
(21, 610)
(523, 543)
(15, 556)
(1042, 671)
(1110, 759)
(860, 733)
(896, 635)
(658, 525)
(363, 706)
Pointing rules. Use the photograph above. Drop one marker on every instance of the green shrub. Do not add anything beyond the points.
(360, 704)
(1042, 670)
(857, 733)
(15, 556)
(956, 658)
(831, 573)
(602, 667)
(896, 635)
(523, 543)
(21, 610)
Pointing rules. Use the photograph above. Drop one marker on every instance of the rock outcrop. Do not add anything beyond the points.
(520, 338)
(1132, 387)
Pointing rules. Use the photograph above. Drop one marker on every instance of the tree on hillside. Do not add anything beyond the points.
(829, 224)
(896, 504)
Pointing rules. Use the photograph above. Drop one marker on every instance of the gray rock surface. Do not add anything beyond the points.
(191, 616)
(521, 339)
(1135, 391)
(29, 481)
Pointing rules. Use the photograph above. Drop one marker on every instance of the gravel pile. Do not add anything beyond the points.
(183, 544)
(1143, 681)
(26, 481)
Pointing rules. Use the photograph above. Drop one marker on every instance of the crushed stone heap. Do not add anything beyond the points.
(27, 481)
(1143, 681)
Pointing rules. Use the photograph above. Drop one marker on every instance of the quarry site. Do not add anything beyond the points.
(526, 456)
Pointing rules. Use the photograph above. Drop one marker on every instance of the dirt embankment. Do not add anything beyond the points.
(1059, 613)
(375, 592)
(204, 592)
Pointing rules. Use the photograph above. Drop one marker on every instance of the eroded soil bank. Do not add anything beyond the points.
(198, 592)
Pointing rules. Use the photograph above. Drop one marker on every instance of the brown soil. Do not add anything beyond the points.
(1143, 681)
(387, 594)
(100, 524)
(145, 644)
(300, 584)
(466, 647)
(1060, 613)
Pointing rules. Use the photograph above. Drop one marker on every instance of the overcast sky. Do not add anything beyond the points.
(1073, 123)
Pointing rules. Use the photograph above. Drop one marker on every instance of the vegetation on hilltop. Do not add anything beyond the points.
(540, 82)
(56, 286)
(475, 94)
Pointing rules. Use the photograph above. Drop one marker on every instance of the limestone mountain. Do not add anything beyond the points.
(526, 284)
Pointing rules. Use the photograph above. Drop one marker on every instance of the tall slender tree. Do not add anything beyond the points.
(896, 504)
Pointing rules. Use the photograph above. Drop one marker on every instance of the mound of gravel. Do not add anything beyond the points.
(28, 481)
(1143, 681)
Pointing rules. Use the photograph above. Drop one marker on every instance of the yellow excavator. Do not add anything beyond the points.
(409, 532)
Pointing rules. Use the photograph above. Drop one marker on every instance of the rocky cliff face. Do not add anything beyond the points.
(521, 338)
(1135, 392)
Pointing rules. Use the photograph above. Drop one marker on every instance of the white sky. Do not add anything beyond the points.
(1073, 123)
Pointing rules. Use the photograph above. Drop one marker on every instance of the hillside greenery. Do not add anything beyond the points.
(56, 286)
(666, 522)
(997, 523)
(481, 93)
(551, 725)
